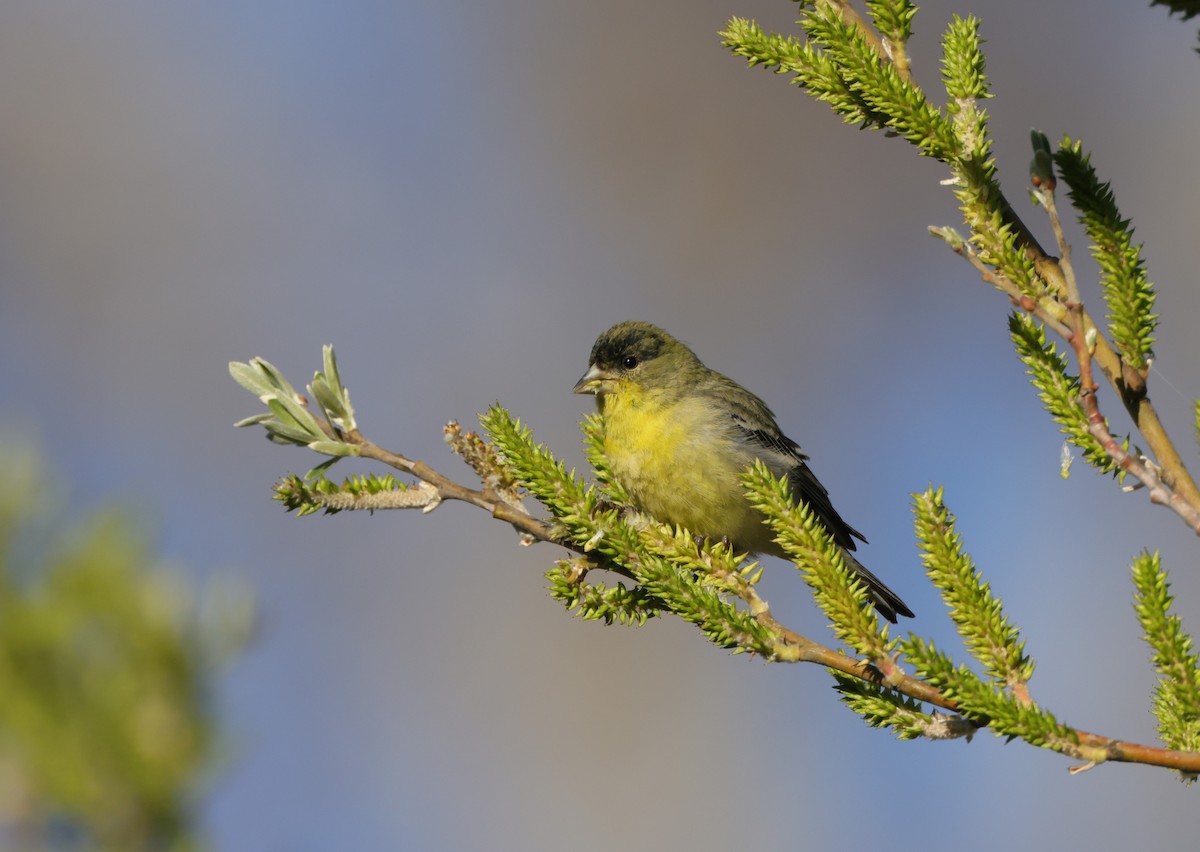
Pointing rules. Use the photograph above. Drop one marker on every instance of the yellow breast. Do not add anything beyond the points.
(681, 462)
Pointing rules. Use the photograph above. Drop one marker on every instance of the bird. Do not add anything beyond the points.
(678, 436)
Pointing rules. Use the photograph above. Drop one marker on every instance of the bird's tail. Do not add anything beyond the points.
(885, 600)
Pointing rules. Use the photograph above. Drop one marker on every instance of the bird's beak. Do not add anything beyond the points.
(592, 380)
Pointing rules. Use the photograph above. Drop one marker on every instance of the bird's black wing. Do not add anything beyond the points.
(790, 459)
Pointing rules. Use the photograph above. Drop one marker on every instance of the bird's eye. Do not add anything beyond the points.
(629, 362)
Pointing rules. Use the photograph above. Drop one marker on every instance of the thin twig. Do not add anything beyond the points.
(1129, 384)
(789, 645)
(1045, 196)
(785, 645)
(1044, 312)
(1083, 336)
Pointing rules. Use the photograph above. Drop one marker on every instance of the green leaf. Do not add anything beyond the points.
(989, 635)
(839, 66)
(594, 601)
(838, 591)
(337, 449)
(331, 369)
(252, 378)
(1058, 389)
(283, 429)
(746, 38)
(881, 707)
(1177, 693)
(889, 100)
(986, 703)
(331, 395)
(254, 419)
(964, 67)
(893, 18)
(275, 380)
(1128, 292)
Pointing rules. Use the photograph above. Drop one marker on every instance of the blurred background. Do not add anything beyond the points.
(460, 197)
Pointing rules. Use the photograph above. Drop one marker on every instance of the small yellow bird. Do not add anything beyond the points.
(679, 436)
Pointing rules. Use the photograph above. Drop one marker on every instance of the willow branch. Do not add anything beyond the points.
(1091, 346)
(788, 646)
(1049, 311)
(1129, 384)
(1175, 488)
(333, 432)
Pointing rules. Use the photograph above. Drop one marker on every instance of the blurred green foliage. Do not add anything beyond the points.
(107, 663)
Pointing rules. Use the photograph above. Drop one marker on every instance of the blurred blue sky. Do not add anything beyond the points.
(460, 196)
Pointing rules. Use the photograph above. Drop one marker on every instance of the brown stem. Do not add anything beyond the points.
(1129, 384)
(788, 646)
(897, 55)
(1171, 489)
